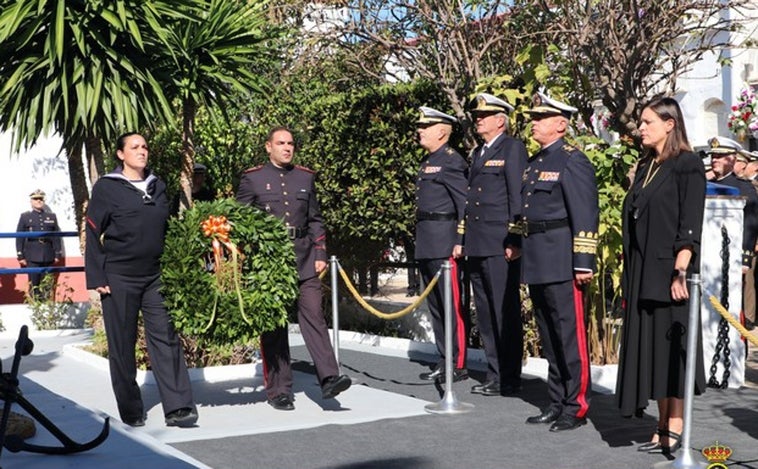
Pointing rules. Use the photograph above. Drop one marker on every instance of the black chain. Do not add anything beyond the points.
(722, 340)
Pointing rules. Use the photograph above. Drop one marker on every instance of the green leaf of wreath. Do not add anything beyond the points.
(265, 278)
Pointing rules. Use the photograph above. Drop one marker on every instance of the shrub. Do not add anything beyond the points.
(47, 312)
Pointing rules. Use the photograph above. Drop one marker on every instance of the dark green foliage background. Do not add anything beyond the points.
(268, 281)
(364, 146)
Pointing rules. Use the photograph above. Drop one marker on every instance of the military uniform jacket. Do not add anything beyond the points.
(494, 196)
(39, 250)
(440, 193)
(750, 221)
(289, 194)
(559, 184)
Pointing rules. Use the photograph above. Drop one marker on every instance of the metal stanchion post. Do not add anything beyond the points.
(686, 460)
(334, 266)
(449, 403)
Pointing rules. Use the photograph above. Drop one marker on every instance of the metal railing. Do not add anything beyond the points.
(40, 270)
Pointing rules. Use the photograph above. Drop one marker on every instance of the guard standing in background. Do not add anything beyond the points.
(38, 252)
(441, 202)
(741, 160)
(200, 191)
(725, 154)
(493, 202)
(288, 192)
(559, 224)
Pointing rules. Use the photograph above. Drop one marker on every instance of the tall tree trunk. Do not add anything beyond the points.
(189, 109)
(78, 187)
(95, 158)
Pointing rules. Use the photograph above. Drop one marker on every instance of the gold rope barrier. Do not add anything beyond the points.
(730, 318)
(381, 314)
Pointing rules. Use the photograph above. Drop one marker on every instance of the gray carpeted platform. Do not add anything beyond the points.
(379, 423)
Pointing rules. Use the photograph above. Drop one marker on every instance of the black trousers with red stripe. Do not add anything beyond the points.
(277, 370)
(560, 318)
(436, 302)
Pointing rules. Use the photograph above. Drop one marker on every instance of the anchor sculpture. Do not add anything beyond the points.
(10, 393)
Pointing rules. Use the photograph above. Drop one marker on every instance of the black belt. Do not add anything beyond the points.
(297, 231)
(436, 216)
(528, 227)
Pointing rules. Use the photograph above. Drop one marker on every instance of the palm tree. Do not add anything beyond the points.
(209, 59)
(80, 69)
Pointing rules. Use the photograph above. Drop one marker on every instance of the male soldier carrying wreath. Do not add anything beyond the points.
(288, 192)
(441, 202)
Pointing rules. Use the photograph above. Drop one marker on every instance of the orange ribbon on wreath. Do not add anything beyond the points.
(218, 228)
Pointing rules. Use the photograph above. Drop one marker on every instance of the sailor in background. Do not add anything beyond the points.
(725, 153)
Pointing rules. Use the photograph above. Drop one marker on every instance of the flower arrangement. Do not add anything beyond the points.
(743, 119)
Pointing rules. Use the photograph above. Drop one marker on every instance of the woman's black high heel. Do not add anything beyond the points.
(668, 449)
(678, 443)
(652, 445)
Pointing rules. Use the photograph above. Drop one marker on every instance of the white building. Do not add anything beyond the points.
(709, 90)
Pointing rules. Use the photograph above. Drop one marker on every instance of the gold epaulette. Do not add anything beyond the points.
(585, 243)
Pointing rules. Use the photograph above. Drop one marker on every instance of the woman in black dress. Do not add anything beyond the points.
(662, 223)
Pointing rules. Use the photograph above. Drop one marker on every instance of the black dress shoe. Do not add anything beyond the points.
(282, 402)
(334, 385)
(567, 422)
(459, 374)
(138, 422)
(184, 417)
(547, 415)
(488, 388)
(435, 374)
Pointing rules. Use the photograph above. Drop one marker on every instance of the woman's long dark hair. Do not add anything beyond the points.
(676, 142)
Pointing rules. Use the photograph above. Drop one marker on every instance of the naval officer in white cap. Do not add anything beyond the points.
(441, 202)
(493, 203)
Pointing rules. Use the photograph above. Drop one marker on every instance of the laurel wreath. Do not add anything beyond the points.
(228, 272)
